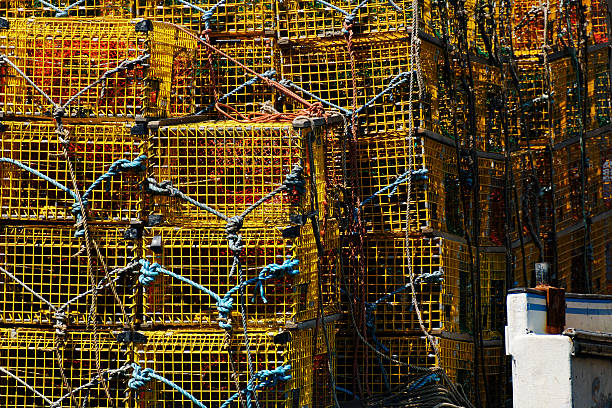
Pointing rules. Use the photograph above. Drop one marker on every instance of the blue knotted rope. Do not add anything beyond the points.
(140, 377)
(267, 378)
(420, 174)
(275, 271)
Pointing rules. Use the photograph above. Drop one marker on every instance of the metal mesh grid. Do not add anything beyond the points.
(232, 17)
(445, 305)
(530, 257)
(202, 255)
(436, 202)
(201, 364)
(48, 50)
(378, 375)
(324, 70)
(563, 24)
(260, 54)
(92, 151)
(301, 20)
(30, 355)
(561, 121)
(61, 8)
(457, 359)
(230, 165)
(53, 263)
(601, 275)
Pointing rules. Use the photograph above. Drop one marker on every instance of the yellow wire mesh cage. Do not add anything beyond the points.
(311, 21)
(65, 8)
(227, 18)
(443, 285)
(96, 68)
(524, 258)
(203, 256)
(29, 357)
(554, 115)
(560, 23)
(458, 360)
(436, 197)
(204, 365)
(382, 74)
(602, 254)
(229, 166)
(92, 151)
(45, 276)
(219, 77)
(358, 364)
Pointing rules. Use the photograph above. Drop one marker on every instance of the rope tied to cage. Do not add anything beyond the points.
(275, 271)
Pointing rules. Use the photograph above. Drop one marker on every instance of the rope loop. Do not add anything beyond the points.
(225, 307)
(234, 224)
(60, 325)
(269, 378)
(140, 377)
(275, 271)
(164, 188)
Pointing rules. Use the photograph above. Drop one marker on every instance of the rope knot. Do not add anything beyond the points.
(58, 112)
(140, 377)
(163, 188)
(295, 180)
(233, 225)
(275, 271)
(60, 323)
(127, 165)
(76, 208)
(225, 307)
(148, 272)
(269, 378)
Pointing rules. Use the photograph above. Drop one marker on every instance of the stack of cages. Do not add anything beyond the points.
(399, 124)
(561, 171)
(73, 158)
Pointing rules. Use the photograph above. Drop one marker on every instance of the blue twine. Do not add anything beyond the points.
(58, 11)
(416, 175)
(424, 381)
(268, 378)
(206, 14)
(225, 305)
(396, 81)
(344, 390)
(140, 377)
(268, 74)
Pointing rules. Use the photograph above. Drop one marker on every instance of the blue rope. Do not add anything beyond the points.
(268, 74)
(344, 390)
(420, 174)
(424, 381)
(396, 81)
(206, 14)
(141, 377)
(150, 271)
(58, 11)
(267, 378)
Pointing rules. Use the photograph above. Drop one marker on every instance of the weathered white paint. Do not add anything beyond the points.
(544, 372)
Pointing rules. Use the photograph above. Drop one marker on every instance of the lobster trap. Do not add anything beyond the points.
(204, 363)
(312, 21)
(321, 72)
(96, 68)
(358, 366)
(436, 191)
(65, 8)
(202, 255)
(92, 151)
(552, 104)
(524, 258)
(227, 18)
(237, 91)
(457, 357)
(443, 285)
(229, 166)
(30, 357)
(558, 27)
(45, 278)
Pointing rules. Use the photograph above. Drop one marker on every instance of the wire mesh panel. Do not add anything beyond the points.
(203, 256)
(601, 275)
(561, 23)
(361, 370)
(229, 166)
(93, 151)
(301, 20)
(223, 80)
(65, 8)
(228, 18)
(96, 68)
(29, 356)
(457, 359)
(524, 259)
(554, 115)
(45, 275)
(382, 72)
(204, 365)
(443, 286)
